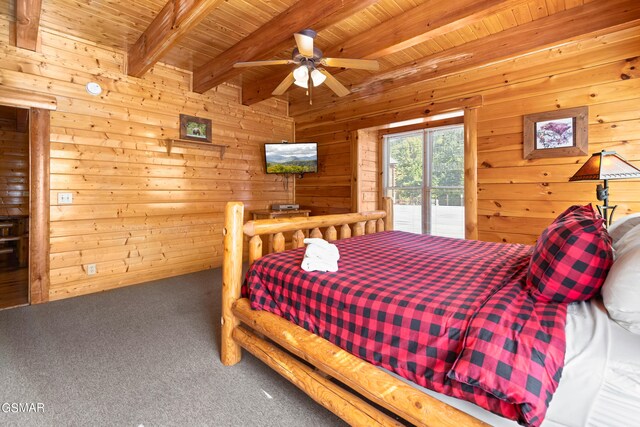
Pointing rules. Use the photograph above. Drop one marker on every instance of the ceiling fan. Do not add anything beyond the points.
(309, 72)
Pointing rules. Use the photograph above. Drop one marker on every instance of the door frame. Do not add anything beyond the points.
(426, 187)
(39, 107)
(39, 205)
(470, 107)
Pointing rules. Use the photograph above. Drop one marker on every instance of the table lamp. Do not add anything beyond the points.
(605, 165)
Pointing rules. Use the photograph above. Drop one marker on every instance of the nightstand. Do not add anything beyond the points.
(270, 213)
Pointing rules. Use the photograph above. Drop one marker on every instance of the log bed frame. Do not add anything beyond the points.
(260, 331)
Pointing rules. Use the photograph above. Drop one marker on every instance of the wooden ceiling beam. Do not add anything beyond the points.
(274, 37)
(421, 110)
(540, 34)
(426, 21)
(173, 22)
(28, 23)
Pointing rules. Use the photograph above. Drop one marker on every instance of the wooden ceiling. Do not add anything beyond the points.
(412, 39)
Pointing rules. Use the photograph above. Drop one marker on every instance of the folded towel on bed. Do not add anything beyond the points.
(314, 264)
(320, 256)
(323, 252)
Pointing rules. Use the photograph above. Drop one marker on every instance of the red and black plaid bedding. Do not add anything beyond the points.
(448, 314)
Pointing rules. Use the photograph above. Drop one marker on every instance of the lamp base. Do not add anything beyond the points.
(607, 213)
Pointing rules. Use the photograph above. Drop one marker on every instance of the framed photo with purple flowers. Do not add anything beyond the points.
(559, 133)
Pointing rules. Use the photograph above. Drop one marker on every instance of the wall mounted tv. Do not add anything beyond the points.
(295, 158)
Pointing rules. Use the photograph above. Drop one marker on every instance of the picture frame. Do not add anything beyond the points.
(195, 129)
(559, 133)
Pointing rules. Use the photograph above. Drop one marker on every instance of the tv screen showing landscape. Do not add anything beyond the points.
(301, 157)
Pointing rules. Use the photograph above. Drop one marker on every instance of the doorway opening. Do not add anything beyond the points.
(14, 206)
(424, 176)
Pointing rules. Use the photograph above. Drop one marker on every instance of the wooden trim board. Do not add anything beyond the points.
(39, 124)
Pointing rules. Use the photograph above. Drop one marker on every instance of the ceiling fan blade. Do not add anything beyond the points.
(284, 85)
(334, 84)
(305, 44)
(261, 63)
(360, 64)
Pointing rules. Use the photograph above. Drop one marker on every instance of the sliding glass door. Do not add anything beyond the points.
(424, 175)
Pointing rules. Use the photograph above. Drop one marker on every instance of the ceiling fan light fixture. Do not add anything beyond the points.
(301, 75)
(317, 77)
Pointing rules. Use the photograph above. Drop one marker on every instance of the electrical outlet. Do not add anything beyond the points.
(91, 269)
(65, 198)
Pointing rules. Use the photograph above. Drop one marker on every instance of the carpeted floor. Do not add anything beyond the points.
(141, 355)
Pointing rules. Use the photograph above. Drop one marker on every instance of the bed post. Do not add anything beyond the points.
(387, 206)
(231, 280)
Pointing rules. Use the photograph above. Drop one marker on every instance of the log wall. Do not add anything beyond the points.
(517, 198)
(329, 190)
(369, 169)
(138, 213)
(14, 167)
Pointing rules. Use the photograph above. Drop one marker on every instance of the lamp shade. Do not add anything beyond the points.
(605, 165)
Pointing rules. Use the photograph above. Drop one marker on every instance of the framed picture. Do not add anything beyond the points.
(195, 128)
(559, 133)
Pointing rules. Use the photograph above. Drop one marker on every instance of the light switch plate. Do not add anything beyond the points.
(65, 198)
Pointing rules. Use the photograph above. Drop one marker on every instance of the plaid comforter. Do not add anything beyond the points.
(448, 314)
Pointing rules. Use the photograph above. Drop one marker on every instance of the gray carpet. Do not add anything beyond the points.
(141, 355)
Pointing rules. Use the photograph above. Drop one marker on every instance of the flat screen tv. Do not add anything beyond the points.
(296, 158)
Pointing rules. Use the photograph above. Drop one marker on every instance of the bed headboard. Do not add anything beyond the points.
(335, 227)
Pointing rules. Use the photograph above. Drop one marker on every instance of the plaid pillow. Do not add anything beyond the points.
(571, 258)
(575, 210)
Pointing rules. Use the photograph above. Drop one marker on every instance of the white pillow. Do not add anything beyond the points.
(630, 239)
(621, 289)
(620, 226)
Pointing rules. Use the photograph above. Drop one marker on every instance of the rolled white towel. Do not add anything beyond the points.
(320, 255)
(314, 264)
(316, 241)
(322, 252)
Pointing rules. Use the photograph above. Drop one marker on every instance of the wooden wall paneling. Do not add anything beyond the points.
(546, 64)
(380, 180)
(356, 170)
(471, 174)
(22, 120)
(138, 213)
(348, 121)
(118, 90)
(517, 197)
(334, 173)
(544, 184)
(369, 169)
(14, 172)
